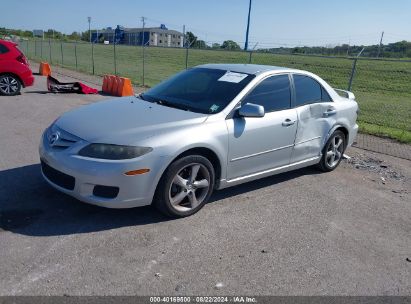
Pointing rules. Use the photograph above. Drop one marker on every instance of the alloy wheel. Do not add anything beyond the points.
(335, 151)
(8, 85)
(189, 187)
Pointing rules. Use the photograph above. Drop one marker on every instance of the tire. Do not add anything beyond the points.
(333, 152)
(179, 192)
(10, 85)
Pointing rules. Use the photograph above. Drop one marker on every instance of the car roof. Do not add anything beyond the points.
(247, 68)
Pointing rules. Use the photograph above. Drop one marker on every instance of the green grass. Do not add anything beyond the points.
(382, 88)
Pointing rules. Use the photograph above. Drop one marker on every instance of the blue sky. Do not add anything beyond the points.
(273, 22)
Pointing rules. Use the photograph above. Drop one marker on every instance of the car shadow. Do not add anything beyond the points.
(29, 206)
(37, 92)
(59, 93)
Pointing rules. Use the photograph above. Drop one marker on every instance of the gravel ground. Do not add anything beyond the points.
(301, 233)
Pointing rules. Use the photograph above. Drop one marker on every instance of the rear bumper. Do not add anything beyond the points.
(27, 82)
(27, 78)
(352, 135)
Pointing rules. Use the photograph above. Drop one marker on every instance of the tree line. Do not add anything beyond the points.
(191, 40)
(400, 49)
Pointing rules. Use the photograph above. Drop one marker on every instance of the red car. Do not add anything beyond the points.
(15, 70)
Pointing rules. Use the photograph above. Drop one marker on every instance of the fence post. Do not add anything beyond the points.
(35, 47)
(115, 57)
(354, 66)
(92, 56)
(251, 53)
(187, 57)
(27, 47)
(41, 49)
(75, 52)
(144, 61)
(50, 51)
(188, 45)
(61, 48)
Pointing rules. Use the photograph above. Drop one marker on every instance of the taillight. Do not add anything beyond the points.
(21, 58)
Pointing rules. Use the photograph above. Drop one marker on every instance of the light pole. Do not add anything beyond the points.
(143, 19)
(89, 29)
(248, 28)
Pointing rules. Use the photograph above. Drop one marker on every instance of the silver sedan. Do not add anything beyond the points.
(206, 128)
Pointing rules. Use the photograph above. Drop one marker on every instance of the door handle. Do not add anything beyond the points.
(330, 112)
(288, 122)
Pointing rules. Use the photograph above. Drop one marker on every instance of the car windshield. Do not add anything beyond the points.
(199, 90)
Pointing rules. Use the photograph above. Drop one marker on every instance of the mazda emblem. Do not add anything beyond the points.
(54, 138)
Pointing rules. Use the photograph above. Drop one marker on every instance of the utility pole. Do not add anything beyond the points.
(89, 27)
(380, 46)
(248, 28)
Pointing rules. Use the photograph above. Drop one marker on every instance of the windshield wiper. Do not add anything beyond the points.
(141, 96)
(171, 105)
(163, 102)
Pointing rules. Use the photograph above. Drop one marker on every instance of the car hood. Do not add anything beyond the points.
(125, 121)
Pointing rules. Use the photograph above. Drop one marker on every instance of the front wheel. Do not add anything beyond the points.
(9, 85)
(333, 152)
(185, 187)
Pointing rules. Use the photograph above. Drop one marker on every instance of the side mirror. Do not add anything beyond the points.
(251, 110)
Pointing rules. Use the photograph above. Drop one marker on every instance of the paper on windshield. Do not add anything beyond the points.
(232, 77)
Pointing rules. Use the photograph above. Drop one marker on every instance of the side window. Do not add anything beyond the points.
(308, 90)
(3, 49)
(272, 93)
(324, 95)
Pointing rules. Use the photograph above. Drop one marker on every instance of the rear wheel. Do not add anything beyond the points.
(333, 152)
(185, 187)
(9, 85)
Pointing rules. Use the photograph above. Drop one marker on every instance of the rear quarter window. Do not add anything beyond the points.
(3, 49)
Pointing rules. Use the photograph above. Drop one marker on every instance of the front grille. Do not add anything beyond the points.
(59, 139)
(63, 143)
(59, 178)
(105, 191)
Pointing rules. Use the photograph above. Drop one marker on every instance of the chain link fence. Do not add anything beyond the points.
(382, 86)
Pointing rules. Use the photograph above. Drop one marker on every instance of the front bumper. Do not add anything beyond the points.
(133, 191)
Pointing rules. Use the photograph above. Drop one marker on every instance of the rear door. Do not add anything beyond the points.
(258, 144)
(316, 115)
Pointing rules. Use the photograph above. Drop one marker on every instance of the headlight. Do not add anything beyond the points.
(114, 152)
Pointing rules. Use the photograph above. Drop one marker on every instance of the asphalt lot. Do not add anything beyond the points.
(302, 233)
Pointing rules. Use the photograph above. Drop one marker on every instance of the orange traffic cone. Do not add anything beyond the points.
(44, 69)
(116, 82)
(110, 84)
(125, 88)
(105, 83)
